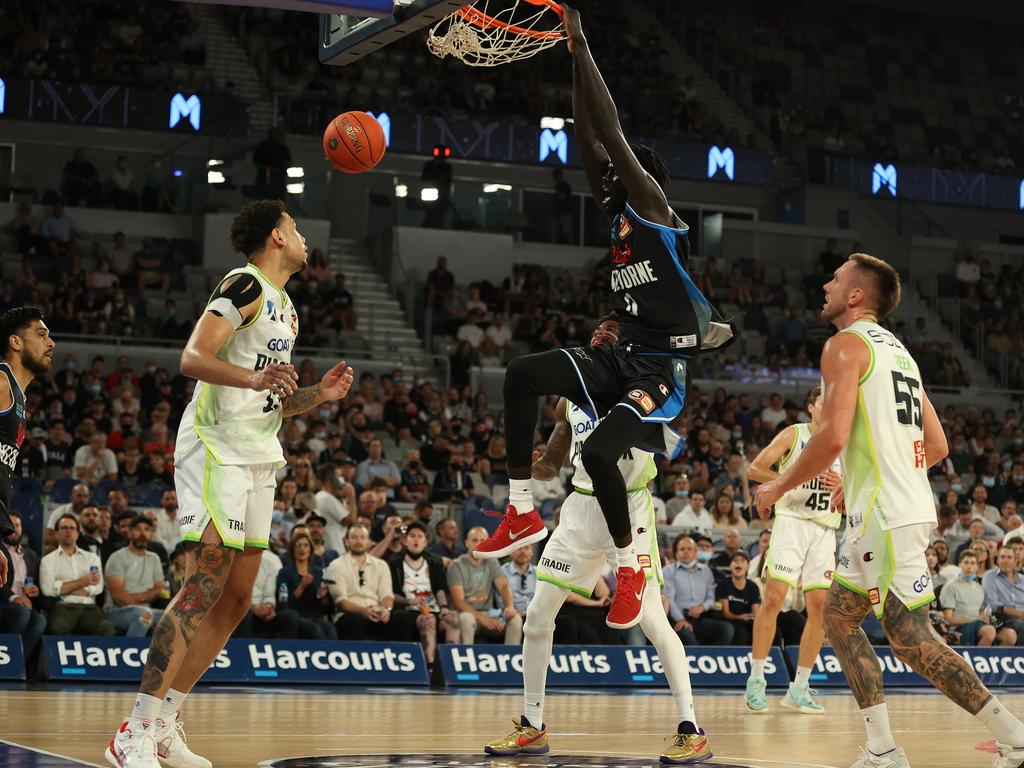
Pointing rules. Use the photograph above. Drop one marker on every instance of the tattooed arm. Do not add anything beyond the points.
(844, 611)
(915, 643)
(300, 402)
(547, 465)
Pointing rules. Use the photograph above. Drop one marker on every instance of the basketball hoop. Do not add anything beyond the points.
(477, 38)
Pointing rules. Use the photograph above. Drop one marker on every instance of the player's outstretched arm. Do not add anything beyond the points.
(592, 152)
(760, 469)
(236, 300)
(843, 361)
(645, 196)
(546, 466)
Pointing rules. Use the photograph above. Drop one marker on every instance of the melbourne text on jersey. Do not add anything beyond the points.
(633, 275)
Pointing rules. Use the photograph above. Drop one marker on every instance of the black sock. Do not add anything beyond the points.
(687, 728)
(525, 723)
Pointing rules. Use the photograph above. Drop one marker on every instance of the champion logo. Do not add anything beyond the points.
(663, 389)
(625, 230)
(868, 557)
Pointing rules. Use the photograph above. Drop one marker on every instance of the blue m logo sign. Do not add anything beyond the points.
(721, 159)
(1021, 181)
(883, 176)
(3, 95)
(188, 109)
(554, 141)
(385, 123)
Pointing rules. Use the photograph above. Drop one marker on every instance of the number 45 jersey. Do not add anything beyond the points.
(240, 426)
(809, 501)
(884, 468)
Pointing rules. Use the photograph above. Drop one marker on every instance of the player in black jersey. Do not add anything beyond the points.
(26, 350)
(639, 385)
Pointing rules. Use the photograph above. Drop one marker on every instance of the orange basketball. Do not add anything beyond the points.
(354, 142)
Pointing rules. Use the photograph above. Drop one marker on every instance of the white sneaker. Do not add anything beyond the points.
(171, 748)
(132, 749)
(1008, 757)
(897, 758)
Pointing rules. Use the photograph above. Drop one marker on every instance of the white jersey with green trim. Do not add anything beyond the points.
(637, 467)
(240, 426)
(885, 472)
(809, 501)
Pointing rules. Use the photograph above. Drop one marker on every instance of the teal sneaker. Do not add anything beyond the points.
(798, 698)
(757, 700)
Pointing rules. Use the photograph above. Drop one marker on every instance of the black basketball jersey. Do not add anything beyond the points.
(12, 434)
(663, 309)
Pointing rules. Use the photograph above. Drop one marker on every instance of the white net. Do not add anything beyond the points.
(483, 36)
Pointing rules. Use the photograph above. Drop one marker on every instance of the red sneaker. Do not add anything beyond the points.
(514, 532)
(629, 598)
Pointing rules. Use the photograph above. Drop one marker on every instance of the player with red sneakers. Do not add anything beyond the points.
(639, 384)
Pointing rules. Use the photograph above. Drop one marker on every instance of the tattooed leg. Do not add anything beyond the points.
(844, 611)
(221, 621)
(915, 643)
(183, 617)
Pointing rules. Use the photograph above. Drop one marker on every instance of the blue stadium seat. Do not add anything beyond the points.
(104, 487)
(27, 485)
(60, 493)
(489, 519)
(30, 507)
(148, 494)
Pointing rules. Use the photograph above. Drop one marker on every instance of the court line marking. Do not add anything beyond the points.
(49, 754)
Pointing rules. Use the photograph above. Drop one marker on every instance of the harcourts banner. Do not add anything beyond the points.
(12, 660)
(501, 665)
(995, 666)
(246, 661)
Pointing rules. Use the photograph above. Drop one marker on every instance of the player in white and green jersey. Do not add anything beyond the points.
(878, 419)
(578, 552)
(801, 555)
(226, 457)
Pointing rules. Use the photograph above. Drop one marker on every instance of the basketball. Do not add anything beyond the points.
(354, 142)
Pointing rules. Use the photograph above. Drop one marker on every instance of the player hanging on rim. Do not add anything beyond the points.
(878, 419)
(802, 553)
(573, 561)
(26, 350)
(226, 458)
(639, 384)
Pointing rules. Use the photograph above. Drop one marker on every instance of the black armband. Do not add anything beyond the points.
(234, 294)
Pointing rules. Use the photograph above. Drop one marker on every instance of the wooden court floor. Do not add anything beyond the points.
(245, 727)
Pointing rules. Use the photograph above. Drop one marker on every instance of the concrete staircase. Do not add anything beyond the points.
(229, 63)
(711, 94)
(382, 323)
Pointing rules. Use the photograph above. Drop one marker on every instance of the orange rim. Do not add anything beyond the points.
(480, 19)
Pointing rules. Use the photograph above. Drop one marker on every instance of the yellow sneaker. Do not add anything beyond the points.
(524, 740)
(688, 749)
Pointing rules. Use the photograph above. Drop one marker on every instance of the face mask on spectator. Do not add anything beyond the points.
(736, 435)
(682, 494)
(965, 577)
(151, 369)
(703, 557)
(70, 365)
(988, 482)
(958, 487)
(95, 388)
(1018, 478)
(691, 565)
(277, 516)
(319, 435)
(1007, 465)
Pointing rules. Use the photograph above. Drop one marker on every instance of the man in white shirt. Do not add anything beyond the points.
(695, 517)
(470, 330)
(967, 272)
(79, 500)
(336, 503)
(167, 520)
(95, 462)
(500, 333)
(980, 506)
(74, 576)
(774, 414)
(263, 620)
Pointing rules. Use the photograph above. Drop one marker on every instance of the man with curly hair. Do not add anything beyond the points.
(226, 457)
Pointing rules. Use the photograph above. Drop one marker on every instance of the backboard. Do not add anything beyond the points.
(345, 39)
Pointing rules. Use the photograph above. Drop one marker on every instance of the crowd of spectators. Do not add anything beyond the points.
(991, 308)
(386, 494)
(131, 43)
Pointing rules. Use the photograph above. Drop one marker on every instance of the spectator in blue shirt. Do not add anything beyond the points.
(375, 465)
(690, 590)
(522, 577)
(1004, 592)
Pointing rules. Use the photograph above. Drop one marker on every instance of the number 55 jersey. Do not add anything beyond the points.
(884, 466)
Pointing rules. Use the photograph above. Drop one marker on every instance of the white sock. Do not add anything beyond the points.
(803, 675)
(671, 653)
(145, 711)
(171, 704)
(538, 635)
(757, 668)
(520, 495)
(533, 709)
(876, 720)
(625, 557)
(1004, 726)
